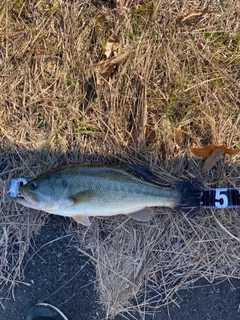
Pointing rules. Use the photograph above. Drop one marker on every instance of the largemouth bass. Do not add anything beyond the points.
(84, 190)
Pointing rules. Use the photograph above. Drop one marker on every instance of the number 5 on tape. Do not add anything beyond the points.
(221, 198)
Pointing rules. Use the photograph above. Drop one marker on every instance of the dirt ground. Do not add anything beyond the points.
(57, 274)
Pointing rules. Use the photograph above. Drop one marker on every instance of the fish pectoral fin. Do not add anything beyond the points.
(83, 220)
(143, 215)
(80, 197)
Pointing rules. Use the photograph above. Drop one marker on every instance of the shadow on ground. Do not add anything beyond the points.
(58, 274)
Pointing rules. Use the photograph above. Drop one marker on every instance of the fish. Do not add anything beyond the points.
(86, 190)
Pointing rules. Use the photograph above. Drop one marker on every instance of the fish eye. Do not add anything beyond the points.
(33, 186)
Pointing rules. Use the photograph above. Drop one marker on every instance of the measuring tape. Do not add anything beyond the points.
(221, 198)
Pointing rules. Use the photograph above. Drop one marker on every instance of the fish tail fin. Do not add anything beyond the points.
(190, 193)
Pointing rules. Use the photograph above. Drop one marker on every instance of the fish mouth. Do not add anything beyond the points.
(22, 199)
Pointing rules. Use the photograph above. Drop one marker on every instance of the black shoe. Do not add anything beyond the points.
(45, 311)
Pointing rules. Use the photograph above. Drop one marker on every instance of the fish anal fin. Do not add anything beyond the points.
(80, 197)
(143, 215)
(84, 220)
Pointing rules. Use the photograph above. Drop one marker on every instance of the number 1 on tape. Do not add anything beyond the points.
(221, 198)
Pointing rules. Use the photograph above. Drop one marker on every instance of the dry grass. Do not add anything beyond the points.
(179, 74)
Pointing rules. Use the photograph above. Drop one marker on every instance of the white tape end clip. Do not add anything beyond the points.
(15, 184)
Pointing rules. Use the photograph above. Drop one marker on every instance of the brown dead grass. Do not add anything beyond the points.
(180, 75)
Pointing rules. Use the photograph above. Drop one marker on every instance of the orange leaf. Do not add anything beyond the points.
(207, 150)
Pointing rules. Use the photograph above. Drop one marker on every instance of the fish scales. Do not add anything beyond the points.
(114, 187)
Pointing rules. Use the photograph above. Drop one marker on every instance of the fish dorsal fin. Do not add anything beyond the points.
(141, 171)
(143, 215)
(84, 220)
(80, 197)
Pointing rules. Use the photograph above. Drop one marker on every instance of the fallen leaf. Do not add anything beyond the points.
(119, 58)
(111, 46)
(214, 157)
(150, 135)
(104, 69)
(207, 150)
(179, 137)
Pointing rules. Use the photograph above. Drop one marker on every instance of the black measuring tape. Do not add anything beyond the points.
(221, 198)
